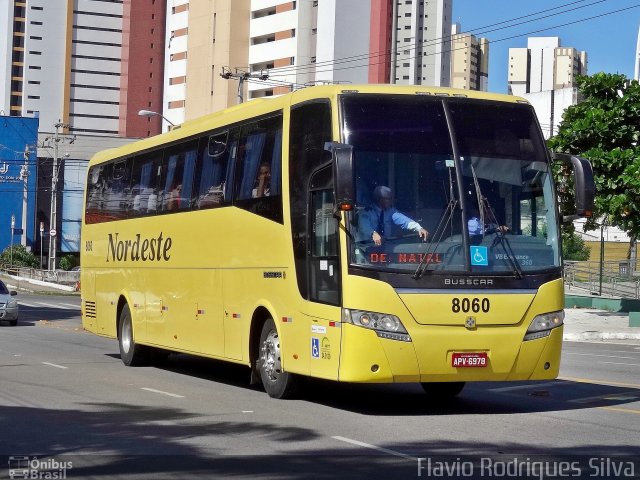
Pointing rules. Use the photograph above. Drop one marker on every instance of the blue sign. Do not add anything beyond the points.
(18, 176)
(315, 347)
(479, 256)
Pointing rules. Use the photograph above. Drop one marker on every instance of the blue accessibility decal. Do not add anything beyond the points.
(315, 347)
(479, 255)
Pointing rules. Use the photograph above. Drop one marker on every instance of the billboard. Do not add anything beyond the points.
(18, 139)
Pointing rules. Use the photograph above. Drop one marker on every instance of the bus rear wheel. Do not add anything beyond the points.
(276, 382)
(131, 353)
(439, 391)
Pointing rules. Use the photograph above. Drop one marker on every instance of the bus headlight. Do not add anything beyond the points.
(384, 324)
(542, 325)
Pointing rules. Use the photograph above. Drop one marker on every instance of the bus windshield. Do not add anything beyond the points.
(449, 184)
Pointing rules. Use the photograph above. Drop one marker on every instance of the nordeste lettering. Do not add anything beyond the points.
(139, 249)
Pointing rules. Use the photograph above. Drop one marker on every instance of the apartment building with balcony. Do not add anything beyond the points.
(90, 64)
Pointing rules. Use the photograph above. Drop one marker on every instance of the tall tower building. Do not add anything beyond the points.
(544, 65)
(469, 60)
(421, 37)
(91, 64)
(308, 42)
(203, 37)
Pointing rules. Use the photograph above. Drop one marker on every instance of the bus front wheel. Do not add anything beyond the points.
(131, 353)
(442, 390)
(277, 383)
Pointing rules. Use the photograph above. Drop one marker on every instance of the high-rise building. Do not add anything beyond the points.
(299, 43)
(90, 64)
(469, 60)
(544, 65)
(203, 37)
(544, 73)
(421, 40)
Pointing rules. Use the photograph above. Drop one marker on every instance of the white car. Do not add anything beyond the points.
(8, 305)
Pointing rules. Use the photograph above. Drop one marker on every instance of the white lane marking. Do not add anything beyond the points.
(54, 365)
(598, 355)
(153, 390)
(55, 306)
(617, 363)
(524, 387)
(247, 411)
(374, 447)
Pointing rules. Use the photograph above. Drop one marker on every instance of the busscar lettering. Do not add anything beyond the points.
(468, 281)
(139, 249)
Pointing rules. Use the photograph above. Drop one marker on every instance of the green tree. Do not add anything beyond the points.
(20, 257)
(574, 248)
(604, 128)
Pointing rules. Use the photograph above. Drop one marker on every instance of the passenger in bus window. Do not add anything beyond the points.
(376, 222)
(262, 186)
(174, 197)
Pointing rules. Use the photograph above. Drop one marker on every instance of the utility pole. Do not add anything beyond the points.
(53, 219)
(241, 76)
(24, 176)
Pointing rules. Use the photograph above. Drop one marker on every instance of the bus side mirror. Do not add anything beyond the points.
(585, 187)
(344, 186)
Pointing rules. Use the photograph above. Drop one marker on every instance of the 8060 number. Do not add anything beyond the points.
(466, 305)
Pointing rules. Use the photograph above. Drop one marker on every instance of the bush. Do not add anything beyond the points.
(67, 262)
(20, 257)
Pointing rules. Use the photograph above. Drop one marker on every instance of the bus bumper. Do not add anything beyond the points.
(428, 357)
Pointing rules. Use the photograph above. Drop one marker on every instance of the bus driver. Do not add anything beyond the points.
(376, 222)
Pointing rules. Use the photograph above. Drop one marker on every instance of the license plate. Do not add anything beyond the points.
(469, 359)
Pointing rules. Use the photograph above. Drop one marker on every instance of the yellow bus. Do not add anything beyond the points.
(359, 234)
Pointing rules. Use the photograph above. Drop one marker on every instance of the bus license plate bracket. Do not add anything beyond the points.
(469, 359)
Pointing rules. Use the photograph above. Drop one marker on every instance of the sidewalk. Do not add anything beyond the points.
(35, 286)
(590, 325)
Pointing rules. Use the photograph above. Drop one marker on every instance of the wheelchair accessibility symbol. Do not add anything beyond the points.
(315, 347)
(479, 255)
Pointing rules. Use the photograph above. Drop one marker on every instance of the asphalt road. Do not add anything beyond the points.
(65, 396)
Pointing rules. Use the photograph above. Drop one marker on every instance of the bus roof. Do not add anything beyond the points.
(262, 106)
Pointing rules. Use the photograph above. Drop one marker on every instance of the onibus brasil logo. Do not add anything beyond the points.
(33, 467)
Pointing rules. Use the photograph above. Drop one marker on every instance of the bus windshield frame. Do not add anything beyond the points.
(474, 174)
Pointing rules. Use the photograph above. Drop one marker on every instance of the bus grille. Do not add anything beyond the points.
(90, 309)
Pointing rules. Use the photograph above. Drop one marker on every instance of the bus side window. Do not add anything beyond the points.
(118, 189)
(145, 183)
(178, 181)
(259, 165)
(215, 151)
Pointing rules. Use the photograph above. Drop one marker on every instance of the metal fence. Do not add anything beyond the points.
(62, 277)
(618, 278)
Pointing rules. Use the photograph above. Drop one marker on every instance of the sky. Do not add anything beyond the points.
(609, 40)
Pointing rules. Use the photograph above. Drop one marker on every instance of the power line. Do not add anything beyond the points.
(436, 41)
(313, 68)
(506, 38)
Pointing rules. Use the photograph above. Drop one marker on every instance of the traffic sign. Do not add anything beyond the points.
(52, 232)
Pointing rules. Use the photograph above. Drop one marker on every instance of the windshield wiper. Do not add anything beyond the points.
(501, 234)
